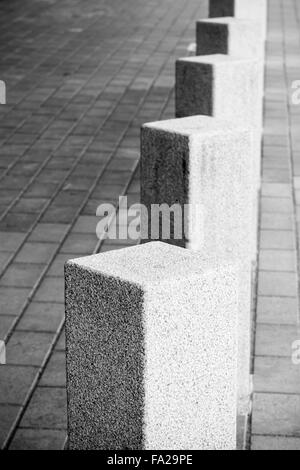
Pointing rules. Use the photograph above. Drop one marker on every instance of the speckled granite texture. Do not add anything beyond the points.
(236, 37)
(202, 161)
(250, 9)
(151, 350)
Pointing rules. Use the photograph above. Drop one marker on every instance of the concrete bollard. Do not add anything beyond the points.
(151, 350)
(240, 39)
(227, 88)
(243, 9)
(235, 37)
(203, 164)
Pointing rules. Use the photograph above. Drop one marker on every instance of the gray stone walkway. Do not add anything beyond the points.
(276, 405)
(82, 76)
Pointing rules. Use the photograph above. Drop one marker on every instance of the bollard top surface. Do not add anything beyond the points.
(152, 263)
(195, 125)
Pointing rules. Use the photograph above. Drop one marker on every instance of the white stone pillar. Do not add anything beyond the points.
(205, 166)
(151, 335)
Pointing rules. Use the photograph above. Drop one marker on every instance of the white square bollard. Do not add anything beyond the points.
(227, 88)
(151, 350)
(243, 9)
(230, 36)
(204, 166)
(240, 39)
(2, 353)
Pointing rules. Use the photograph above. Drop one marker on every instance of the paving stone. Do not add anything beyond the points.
(30, 205)
(6, 323)
(47, 409)
(57, 267)
(276, 204)
(15, 383)
(275, 284)
(59, 215)
(41, 316)
(277, 310)
(17, 222)
(277, 239)
(12, 300)
(273, 222)
(275, 414)
(4, 260)
(10, 242)
(27, 348)
(34, 252)
(38, 439)
(277, 190)
(276, 375)
(86, 224)
(48, 233)
(51, 290)
(9, 415)
(22, 275)
(276, 340)
(82, 244)
(61, 343)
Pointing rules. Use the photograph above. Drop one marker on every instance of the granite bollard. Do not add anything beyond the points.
(227, 88)
(2, 92)
(151, 335)
(201, 161)
(2, 353)
(235, 37)
(242, 9)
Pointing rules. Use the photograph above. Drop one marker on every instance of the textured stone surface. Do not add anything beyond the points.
(236, 37)
(151, 350)
(224, 87)
(228, 88)
(254, 10)
(207, 164)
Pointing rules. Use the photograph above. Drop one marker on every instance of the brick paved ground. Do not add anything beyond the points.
(276, 406)
(82, 76)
